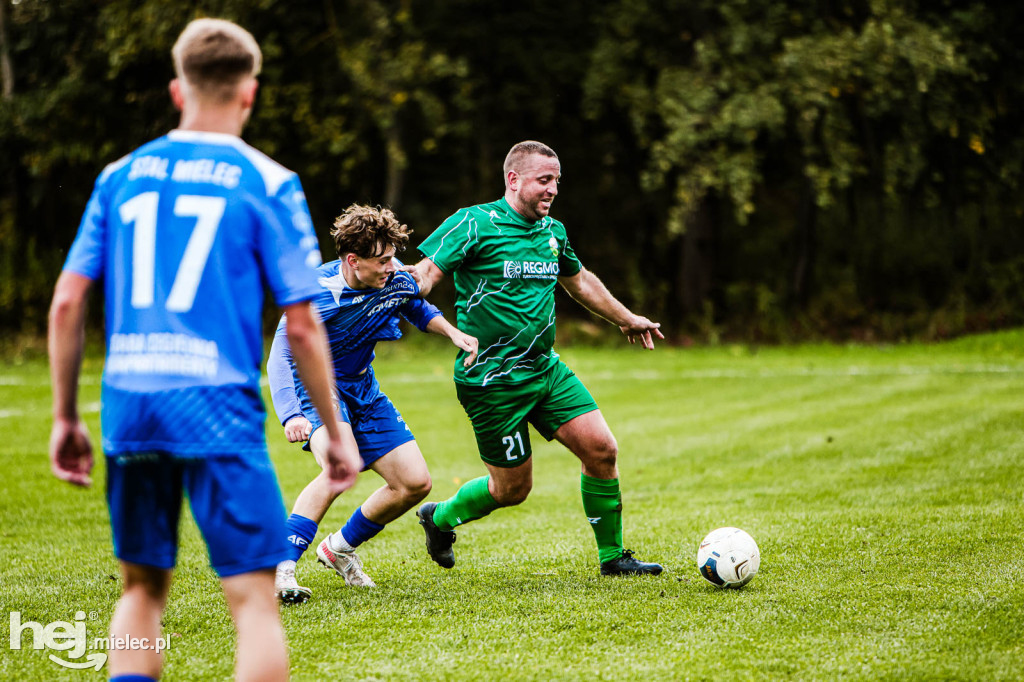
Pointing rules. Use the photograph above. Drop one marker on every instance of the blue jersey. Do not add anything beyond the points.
(187, 232)
(355, 320)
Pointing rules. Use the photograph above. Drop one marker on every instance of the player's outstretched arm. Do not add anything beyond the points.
(470, 344)
(313, 360)
(426, 275)
(70, 449)
(591, 293)
(282, 388)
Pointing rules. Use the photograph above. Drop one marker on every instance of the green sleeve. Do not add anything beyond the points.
(568, 263)
(453, 242)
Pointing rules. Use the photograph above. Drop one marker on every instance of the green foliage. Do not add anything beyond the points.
(763, 72)
(720, 159)
(856, 106)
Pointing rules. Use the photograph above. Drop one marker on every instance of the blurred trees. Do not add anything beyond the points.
(735, 168)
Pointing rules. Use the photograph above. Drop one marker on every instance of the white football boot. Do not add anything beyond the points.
(345, 564)
(288, 590)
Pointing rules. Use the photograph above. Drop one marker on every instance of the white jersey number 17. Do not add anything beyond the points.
(142, 211)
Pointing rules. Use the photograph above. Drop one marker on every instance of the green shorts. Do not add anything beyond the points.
(500, 413)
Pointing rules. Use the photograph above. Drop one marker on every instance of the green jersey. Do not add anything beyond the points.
(505, 269)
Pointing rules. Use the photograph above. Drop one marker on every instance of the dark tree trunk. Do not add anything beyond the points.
(396, 163)
(807, 224)
(6, 68)
(697, 257)
(806, 245)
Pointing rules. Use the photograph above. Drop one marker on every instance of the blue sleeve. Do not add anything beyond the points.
(279, 374)
(88, 252)
(419, 312)
(287, 245)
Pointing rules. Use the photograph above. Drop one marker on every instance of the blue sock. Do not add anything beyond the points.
(301, 532)
(358, 529)
(133, 678)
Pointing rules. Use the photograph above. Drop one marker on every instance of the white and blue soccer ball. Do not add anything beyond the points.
(728, 557)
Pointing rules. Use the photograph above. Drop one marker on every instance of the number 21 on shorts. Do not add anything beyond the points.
(511, 452)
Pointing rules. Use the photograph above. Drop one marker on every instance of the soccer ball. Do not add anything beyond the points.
(728, 557)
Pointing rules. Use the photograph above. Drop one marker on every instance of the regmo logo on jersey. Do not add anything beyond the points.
(527, 269)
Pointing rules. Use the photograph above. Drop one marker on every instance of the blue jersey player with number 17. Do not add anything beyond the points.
(363, 295)
(185, 233)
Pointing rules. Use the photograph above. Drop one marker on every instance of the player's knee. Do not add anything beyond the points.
(510, 496)
(603, 452)
(248, 597)
(144, 582)
(411, 488)
(415, 490)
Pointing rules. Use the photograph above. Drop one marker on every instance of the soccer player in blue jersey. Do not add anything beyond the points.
(185, 233)
(362, 298)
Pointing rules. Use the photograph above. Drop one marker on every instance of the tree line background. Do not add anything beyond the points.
(761, 170)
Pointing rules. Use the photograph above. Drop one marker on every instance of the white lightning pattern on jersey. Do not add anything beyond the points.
(494, 216)
(480, 290)
(471, 229)
(501, 370)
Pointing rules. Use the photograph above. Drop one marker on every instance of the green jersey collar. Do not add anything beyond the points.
(517, 219)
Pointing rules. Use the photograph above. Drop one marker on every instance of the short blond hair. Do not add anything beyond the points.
(214, 56)
(524, 149)
(368, 232)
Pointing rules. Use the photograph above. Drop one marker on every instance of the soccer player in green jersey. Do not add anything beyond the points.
(506, 257)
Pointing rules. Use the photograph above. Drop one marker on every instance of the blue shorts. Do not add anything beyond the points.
(376, 423)
(235, 500)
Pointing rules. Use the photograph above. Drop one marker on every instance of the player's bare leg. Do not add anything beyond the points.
(316, 498)
(510, 486)
(137, 615)
(406, 482)
(589, 438)
(311, 506)
(261, 652)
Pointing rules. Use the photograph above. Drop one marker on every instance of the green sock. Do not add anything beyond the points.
(470, 502)
(602, 503)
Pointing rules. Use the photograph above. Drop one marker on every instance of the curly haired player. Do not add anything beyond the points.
(364, 293)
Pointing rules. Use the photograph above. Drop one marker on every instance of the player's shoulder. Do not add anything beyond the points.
(330, 268)
(553, 224)
(332, 283)
(491, 209)
(401, 281)
(477, 212)
(329, 276)
(111, 169)
(151, 148)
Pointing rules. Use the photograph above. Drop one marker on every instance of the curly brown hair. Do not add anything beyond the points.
(367, 231)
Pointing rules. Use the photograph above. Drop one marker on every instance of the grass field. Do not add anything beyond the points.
(884, 486)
